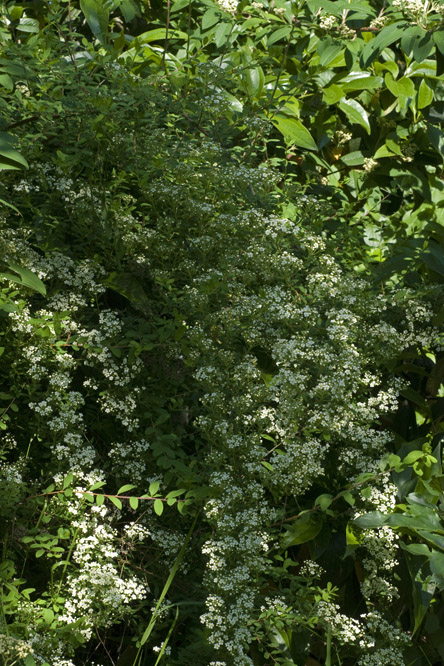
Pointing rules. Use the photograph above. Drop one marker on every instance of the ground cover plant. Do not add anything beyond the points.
(221, 268)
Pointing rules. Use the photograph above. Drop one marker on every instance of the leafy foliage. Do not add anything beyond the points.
(221, 266)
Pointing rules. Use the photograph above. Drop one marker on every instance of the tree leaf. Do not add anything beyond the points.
(125, 488)
(96, 14)
(115, 501)
(253, 81)
(158, 507)
(134, 502)
(355, 113)
(154, 487)
(27, 278)
(391, 33)
(9, 157)
(425, 95)
(294, 132)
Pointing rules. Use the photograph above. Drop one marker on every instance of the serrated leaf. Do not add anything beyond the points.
(158, 507)
(125, 488)
(355, 113)
(115, 501)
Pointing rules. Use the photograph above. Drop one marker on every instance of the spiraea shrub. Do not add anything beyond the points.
(197, 464)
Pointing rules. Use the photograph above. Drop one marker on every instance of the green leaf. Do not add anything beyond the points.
(96, 13)
(9, 157)
(222, 31)
(349, 498)
(28, 25)
(438, 38)
(356, 158)
(371, 520)
(355, 113)
(402, 87)
(100, 499)
(129, 9)
(420, 549)
(158, 507)
(388, 35)
(154, 487)
(134, 502)
(324, 501)
(159, 35)
(294, 132)
(279, 34)
(210, 18)
(253, 81)
(125, 488)
(6, 82)
(27, 278)
(115, 501)
(425, 95)
(332, 94)
(67, 480)
(300, 531)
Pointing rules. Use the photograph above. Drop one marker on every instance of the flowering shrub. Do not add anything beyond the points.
(201, 382)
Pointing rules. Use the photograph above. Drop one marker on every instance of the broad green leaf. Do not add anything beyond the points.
(115, 501)
(356, 158)
(438, 38)
(402, 87)
(329, 54)
(437, 566)
(6, 82)
(158, 507)
(26, 278)
(221, 34)
(125, 488)
(134, 502)
(433, 257)
(355, 113)
(332, 94)
(28, 25)
(425, 95)
(154, 487)
(210, 18)
(420, 549)
(391, 33)
(96, 13)
(324, 501)
(294, 132)
(159, 35)
(300, 531)
(371, 520)
(278, 34)
(129, 9)
(100, 500)
(67, 480)
(253, 81)
(9, 157)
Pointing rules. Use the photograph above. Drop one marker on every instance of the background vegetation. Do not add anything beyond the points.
(222, 401)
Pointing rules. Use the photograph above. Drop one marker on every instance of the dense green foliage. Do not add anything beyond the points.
(221, 352)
